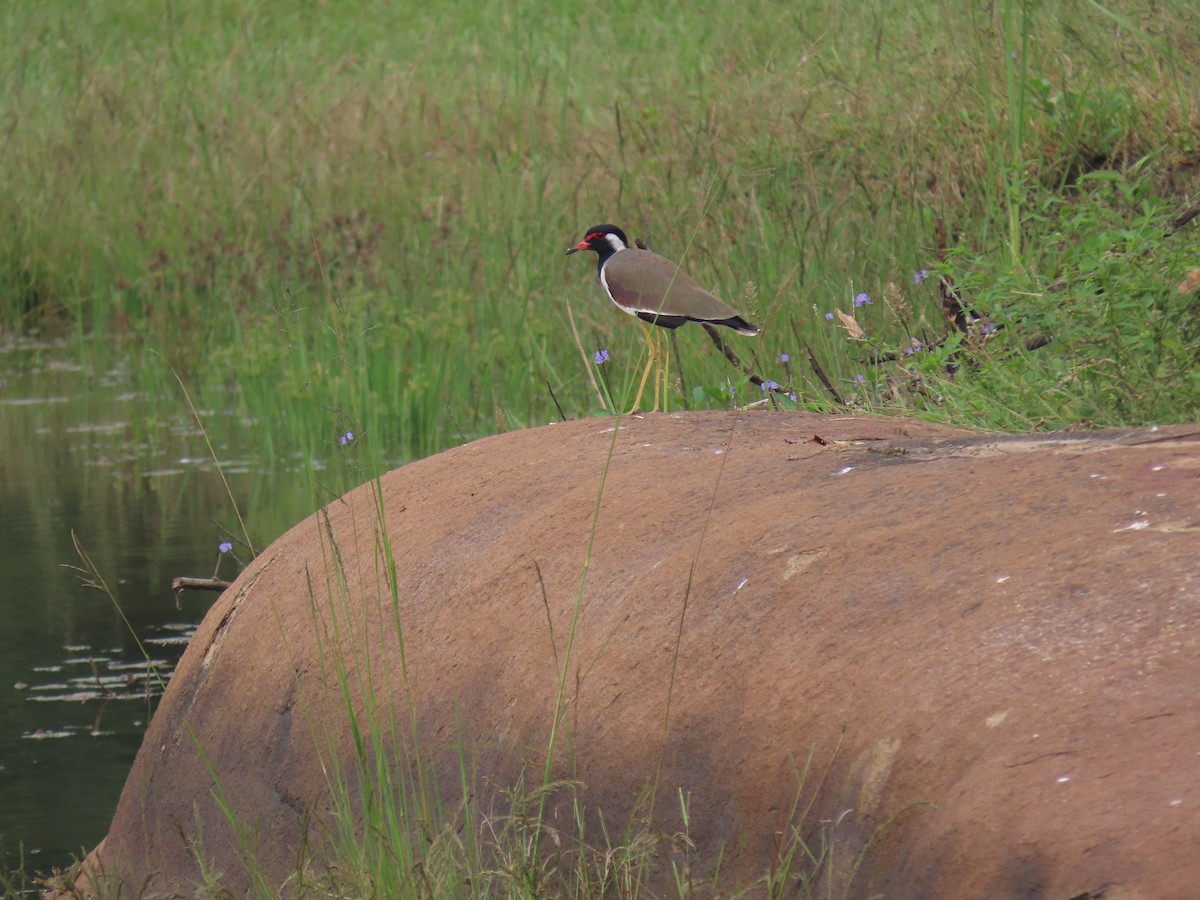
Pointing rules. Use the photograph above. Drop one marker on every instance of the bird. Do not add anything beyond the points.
(655, 290)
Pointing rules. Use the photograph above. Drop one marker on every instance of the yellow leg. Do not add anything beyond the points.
(665, 364)
(657, 358)
(655, 361)
(637, 402)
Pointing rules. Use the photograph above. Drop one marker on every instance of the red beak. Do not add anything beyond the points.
(582, 245)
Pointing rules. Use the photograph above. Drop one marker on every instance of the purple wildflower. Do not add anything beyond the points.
(769, 386)
(783, 357)
(920, 275)
(860, 378)
(600, 357)
(346, 438)
(224, 547)
(863, 299)
(828, 315)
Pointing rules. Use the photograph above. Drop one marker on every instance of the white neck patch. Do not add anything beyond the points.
(615, 242)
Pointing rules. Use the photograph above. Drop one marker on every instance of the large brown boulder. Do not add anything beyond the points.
(954, 665)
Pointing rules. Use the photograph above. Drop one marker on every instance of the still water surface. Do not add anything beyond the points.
(84, 451)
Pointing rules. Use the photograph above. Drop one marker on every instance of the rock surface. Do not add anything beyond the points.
(987, 648)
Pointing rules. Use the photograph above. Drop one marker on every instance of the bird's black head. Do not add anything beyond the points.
(604, 239)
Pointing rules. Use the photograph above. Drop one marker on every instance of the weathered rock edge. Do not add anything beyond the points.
(988, 645)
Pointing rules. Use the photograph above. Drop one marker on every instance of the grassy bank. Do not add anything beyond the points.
(354, 213)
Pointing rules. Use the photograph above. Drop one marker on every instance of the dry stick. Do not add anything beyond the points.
(959, 314)
(562, 416)
(820, 373)
(950, 294)
(679, 368)
(816, 367)
(186, 582)
(737, 363)
(730, 354)
(1177, 222)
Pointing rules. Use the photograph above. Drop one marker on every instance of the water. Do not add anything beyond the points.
(83, 451)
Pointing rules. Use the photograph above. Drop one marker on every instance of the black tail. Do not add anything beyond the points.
(738, 324)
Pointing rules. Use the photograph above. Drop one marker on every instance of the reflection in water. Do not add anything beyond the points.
(103, 678)
(85, 452)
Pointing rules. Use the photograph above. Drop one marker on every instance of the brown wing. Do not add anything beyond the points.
(643, 282)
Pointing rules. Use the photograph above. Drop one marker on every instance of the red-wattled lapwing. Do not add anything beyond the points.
(655, 290)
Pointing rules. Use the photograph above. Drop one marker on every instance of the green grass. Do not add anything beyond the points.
(188, 180)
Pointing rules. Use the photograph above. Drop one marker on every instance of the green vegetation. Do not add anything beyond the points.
(349, 218)
(353, 214)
